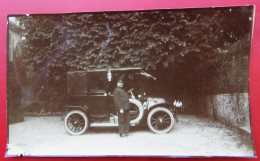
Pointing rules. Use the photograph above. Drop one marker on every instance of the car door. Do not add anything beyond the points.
(99, 101)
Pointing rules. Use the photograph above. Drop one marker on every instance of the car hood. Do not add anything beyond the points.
(156, 100)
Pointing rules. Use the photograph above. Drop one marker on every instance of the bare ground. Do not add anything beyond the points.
(191, 136)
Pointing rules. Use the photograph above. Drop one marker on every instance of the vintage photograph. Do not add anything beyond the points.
(146, 83)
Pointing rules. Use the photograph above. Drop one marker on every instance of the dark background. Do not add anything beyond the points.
(14, 7)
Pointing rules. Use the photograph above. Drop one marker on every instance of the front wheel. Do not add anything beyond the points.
(76, 122)
(160, 120)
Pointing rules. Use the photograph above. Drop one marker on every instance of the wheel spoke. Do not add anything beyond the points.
(70, 126)
(154, 119)
(69, 119)
(73, 117)
(154, 122)
(164, 116)
(156, 126)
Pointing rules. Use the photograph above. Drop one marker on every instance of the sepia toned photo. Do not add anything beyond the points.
(150, 83)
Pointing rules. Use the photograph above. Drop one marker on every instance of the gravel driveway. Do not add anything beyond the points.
(191, 136)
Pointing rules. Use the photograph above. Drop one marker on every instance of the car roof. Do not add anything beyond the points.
(111, 69)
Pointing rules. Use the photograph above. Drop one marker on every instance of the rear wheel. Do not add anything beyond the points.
(76, 122)
(160, 120)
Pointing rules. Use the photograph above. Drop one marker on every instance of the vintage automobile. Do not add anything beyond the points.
(90, 102)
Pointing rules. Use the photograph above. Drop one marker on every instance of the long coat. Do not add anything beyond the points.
(121, 99)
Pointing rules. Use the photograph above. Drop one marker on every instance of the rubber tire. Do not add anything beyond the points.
(84, 117)
(152, 112)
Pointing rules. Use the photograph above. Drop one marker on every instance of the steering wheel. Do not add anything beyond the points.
(130, 90)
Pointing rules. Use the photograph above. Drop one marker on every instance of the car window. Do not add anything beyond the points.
(77, 83)
(97, 82)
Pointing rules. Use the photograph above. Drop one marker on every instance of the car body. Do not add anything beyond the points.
(90, 101)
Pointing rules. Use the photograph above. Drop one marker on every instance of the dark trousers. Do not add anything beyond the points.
(124, 122)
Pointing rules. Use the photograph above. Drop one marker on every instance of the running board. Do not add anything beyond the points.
(105, 124)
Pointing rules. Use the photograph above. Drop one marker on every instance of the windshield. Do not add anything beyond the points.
(141, 81)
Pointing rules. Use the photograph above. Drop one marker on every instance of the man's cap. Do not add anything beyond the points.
(120, 80)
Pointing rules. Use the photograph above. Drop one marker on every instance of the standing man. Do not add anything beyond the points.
(122, 104)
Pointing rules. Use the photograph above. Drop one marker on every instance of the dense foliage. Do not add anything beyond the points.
(190, 51)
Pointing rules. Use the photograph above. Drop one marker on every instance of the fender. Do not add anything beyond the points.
(141, 111)
(166, 105)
